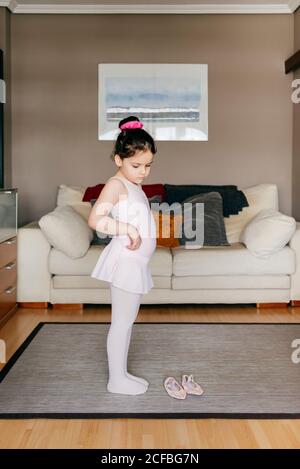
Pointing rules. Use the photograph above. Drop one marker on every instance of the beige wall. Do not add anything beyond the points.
(296, 130)
(54, 85)
(5, 16)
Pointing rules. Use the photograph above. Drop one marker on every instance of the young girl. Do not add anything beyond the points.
(124, 261)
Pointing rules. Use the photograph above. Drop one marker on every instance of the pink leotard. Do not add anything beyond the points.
(126, 268)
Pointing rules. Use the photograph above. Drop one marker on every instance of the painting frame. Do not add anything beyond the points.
(170, 99)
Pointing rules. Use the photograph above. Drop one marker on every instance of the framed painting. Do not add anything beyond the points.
(170, 99)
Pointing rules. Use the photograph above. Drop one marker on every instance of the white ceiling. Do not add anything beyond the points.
(148, 7)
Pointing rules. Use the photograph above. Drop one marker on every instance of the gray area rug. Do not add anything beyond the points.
(246, 371)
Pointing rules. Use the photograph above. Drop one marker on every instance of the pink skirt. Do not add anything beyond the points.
(123, 267)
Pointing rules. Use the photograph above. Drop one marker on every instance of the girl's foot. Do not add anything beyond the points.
(126, 386)
(137, 378)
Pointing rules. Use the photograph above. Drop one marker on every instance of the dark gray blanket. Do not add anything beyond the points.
(233, 199)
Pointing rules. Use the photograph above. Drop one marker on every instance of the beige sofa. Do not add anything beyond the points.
(223, 274)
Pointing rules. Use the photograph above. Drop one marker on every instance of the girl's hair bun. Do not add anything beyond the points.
(128, 119)
(132, 139)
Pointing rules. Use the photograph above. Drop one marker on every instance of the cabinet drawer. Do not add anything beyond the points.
(8, 275)
(8, 299)
(8, 251)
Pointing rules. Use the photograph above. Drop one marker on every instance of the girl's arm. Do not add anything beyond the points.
(99, 219)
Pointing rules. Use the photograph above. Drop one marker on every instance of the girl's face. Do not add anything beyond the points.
(137, 167)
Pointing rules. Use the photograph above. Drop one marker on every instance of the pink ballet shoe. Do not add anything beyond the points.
(190, 386)
(173, 388)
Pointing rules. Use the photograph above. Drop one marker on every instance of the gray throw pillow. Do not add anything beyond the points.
(99, 239)
(155, 199)
(214, 227)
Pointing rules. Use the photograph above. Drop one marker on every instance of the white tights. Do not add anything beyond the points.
(124, 310)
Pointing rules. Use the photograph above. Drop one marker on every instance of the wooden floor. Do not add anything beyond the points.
(140, 433)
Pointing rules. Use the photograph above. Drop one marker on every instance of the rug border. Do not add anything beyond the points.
(180, 415)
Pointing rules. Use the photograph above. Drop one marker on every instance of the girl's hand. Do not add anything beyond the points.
(135, 239)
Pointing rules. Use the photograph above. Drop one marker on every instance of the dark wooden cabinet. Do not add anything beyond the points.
(8, 279)
(8, 253)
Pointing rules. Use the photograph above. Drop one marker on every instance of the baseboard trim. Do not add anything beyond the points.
(35, 304)
(295, 302)
(67, 305)
(271, 305)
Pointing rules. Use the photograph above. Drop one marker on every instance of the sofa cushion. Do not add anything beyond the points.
(150, 190)
(154, 190)
(60, 264)
(260, 197)
(268, 232)
(92, 192)
(231, 282)
(85, 281)
(72, 196)
(67, 231)
(208, 220)
(98, 237)
(168, 226)
(230, 260)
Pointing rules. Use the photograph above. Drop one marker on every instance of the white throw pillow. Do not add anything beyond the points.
(67, 231)
(72, 196)
(268, 232)
(260, 197)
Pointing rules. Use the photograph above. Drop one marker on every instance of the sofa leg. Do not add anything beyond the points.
(36, 304)
(295, 302)
(67, 305)
(271, 305)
